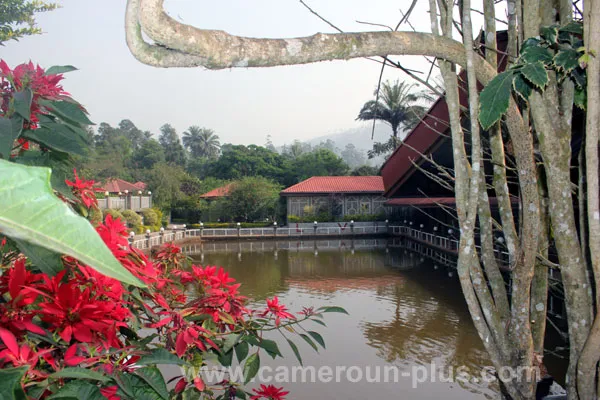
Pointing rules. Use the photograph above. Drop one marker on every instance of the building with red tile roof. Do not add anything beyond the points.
(217, 193)
(120, 185)
(336, 196)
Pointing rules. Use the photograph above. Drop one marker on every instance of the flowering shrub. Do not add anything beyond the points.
(82, 334)
(69, 331)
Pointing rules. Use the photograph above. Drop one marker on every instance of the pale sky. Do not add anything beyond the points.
(241, 105)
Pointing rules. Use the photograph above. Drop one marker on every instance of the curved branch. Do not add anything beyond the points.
(222, 50)
(156, 56)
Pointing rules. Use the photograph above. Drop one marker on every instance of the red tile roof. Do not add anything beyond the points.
(337, 184)
(222, 191)
(119, 185)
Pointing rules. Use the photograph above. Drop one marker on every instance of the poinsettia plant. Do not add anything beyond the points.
(84, 315)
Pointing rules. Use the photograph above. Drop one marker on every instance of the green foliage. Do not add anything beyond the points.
(113, 213)
(95, 216)
(252, 199)
(133, 219)
(151, 216)
(26, 190)
(201, 142)
(17, 18)
(321, 162)
(558, 49)
(365, 170)
(169, 140)
(10, 382)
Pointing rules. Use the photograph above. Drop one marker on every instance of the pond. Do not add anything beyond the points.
(409, 334)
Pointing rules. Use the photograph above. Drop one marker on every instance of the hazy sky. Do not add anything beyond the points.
(240, 105)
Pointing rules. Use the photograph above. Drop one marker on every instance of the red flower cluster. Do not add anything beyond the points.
(32, 77)
(84, 190)
(269, 392)
(278, 310)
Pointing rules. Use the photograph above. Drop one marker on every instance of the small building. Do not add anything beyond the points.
(336, 197)
(217, 193)
(122, 195)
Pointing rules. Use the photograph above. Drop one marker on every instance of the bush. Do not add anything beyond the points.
(133, 219)
(150, 217)
(113, 213)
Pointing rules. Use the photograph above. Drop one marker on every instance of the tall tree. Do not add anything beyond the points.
(321, 162)
(397, 105)
(558, 66)
(352, 156)
(169, 140)
(201, 142)
(133, 133)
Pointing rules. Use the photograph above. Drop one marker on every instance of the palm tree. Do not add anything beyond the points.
(397, 106)
(201, 142)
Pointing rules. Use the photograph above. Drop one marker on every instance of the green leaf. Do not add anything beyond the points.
(225, 359)
(241, 351)
(58, 137)
(80, 373)
(317, 337)
(60, 163)
(534, 54)
(530, 42)
(136, 387)
(10, 130)
(10, 383)
(30, 211)
(230, 341)
(566, 60)
(309, 341)
(318, 321)
(49, 262)
(78, 390)
(522, 87)
(295, 350)
(572, 27)
(69, 111)
(240, 394)
(154, 378)
(60, 69)
(579, 77)
(580, 98)
(251, 367)
(550, 33)
(494, 99)
(333, 309)
(160, 356)
(22, 101)
(271, 347)
(536, 74)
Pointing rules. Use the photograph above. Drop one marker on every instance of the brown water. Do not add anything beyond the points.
(409, 315)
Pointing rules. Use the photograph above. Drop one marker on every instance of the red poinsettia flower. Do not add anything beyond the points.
(17, 355)
(84, 190)
(269, 392)
(278, 310)
(110, 392)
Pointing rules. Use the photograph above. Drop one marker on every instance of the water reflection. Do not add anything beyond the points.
(403, 312)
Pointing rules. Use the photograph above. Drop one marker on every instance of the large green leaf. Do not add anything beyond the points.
(78, 389)
(309, 341)
(60, 69)
(30, 211)
(60, 163)
(317, 336)
(241, 351)
(46, 260)
(533, 54)
(154, 378)
(160, 356)
(536, 74)
(58, 137)
(494, 99)
(572, 27)
(251, 367)
(10, 383)
(10, 129)
(566, 60)
(522, 87)
(271, 347)
(333, 309)
(70, 111)
(80, 373)
(22, 102)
